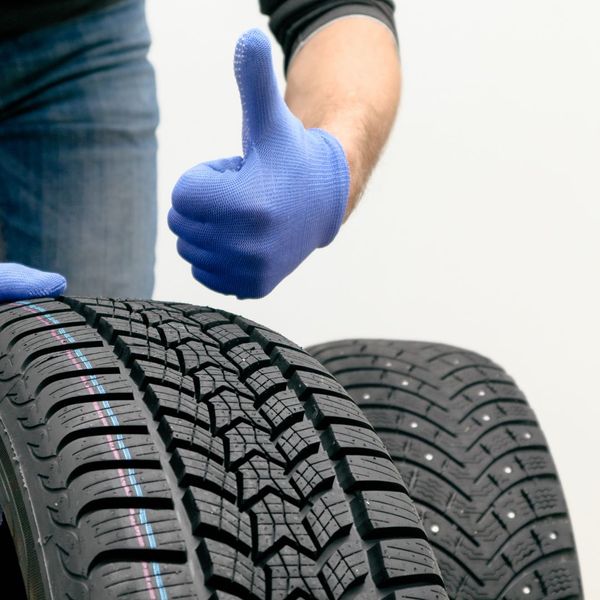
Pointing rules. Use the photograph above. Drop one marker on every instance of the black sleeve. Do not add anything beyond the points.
(292, 21)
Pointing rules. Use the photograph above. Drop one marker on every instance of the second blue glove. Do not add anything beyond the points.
(18, 282)
(245, 223)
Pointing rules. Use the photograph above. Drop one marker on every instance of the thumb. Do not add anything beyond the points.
(262, 102)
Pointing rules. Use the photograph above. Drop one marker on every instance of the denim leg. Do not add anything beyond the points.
(78, 115)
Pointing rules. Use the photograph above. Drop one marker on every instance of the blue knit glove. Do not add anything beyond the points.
(244, 223)
(19, 283)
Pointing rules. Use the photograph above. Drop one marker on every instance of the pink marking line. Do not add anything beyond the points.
(28, 309)
(111, 445)
(136, 528)
(124, 484)
(84, 379)
(148, 579)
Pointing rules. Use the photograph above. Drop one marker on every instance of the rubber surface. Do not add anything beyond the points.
(476, 463)
(165, 451)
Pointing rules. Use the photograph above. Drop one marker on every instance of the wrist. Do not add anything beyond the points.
(335, 199)
(349, 136)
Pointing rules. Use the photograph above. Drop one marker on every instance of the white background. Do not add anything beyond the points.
(481, 226)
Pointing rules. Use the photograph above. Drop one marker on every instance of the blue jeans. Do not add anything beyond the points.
(78, 115)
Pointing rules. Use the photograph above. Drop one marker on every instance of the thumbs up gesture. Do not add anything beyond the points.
(246, 222)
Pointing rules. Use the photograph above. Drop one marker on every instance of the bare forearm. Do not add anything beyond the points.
(346, 80)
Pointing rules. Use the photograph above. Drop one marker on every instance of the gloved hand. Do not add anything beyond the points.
(18, 282)
(244, 223)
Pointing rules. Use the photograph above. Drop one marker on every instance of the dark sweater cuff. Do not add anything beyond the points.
(332, 16)
(291, 35)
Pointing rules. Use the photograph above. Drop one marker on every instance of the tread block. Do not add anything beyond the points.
(227, 407)
(99, 452)
(228, 569)
(194, 469)
(182, 434)
(228, 334)
(281, 408)
(346, 568)
(69, 364)
(141, 581)
(113, 532)
(289, 359)
(297, 441)
(305, 382)
(266, 381)
(341, 440)
(266, 337)
(368, 472)
(244, 440)
(249, 356)
(328, 519)
(177, 334)
(323, 410)
(46, 342)
(294, 575)
(112, 488)
(145, 373)
(211, 380)
(553, 579)
(393, 561)
(379, 514)
(215, 517)
(66, 392)
(425, 592)
(195, 356)
(313, 475)
(129, 349)
(258, 476)
(165, 400)
(95, 413)
(113, 328)
(278, 522)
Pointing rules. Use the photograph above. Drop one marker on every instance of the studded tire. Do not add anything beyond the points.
(476, 463)
(164, 451)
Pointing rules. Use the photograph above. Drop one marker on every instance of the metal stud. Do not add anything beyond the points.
(508, 470)
(510, 514)
(481, 393)
(366, 396)
(435, 529)
(527, 590)
(527, 435)
(404, 382)
(414, 425)
(486, 417)
(429, 456)
(553, 535)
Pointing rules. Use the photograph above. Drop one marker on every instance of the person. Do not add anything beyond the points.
(78, 114)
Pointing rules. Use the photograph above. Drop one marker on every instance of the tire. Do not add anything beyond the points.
(160, 451)
(476, 462)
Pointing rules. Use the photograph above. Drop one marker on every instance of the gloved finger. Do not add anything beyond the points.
(199, 256)
(243, 288)
(262, 102)
(18, 282)
(200, 192)
(254, 263)
(193, 231)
